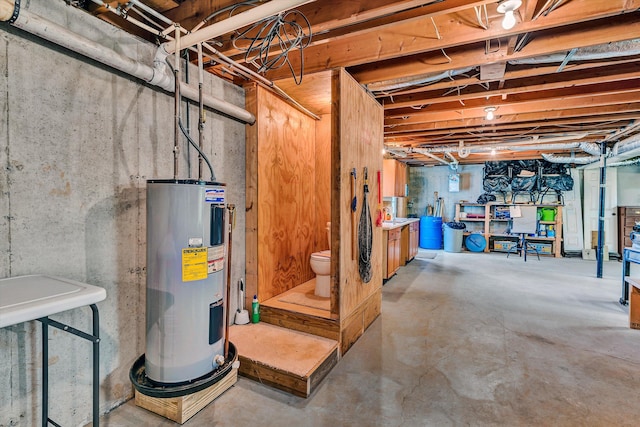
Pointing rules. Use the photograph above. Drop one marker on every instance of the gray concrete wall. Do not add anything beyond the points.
(424, 181)
(628, 185)
(78, 142)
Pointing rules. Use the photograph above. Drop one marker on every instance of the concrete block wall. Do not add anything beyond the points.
(78, 142)
(424, 181)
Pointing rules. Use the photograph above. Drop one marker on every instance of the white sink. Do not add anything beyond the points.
(396, 221)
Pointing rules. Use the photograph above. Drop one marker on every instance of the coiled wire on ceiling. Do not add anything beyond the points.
(268, 42)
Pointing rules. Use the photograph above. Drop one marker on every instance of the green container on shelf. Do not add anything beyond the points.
(548, 214)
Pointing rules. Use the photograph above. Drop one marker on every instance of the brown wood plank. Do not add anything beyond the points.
(302, 322)
(578, 82)
(360, 140)
(546, 105)
(560, 40)
(419, 36)
(282, 232)
(181, 409)
(251, 195)
(273, 377)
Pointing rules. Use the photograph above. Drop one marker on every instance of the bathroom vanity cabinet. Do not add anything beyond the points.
(400, 245)
(391, 259)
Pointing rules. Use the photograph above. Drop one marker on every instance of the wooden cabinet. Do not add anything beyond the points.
(391, 261)
(414, 230)
(401, 179)
(394, 178)
(487, 220)
(401, 246)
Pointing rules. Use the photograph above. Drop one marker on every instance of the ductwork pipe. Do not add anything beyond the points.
(156, 75)
(413, 81)
(428, 154)
(627, 145)
(395, 152)
(507, 147)
(590, 148)
(603, 51)
(570, 159)
(632, 162)
(240, 20)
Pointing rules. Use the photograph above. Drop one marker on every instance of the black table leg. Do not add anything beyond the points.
(626, 266)
(96, 366)
(95, 339)
(45, 371)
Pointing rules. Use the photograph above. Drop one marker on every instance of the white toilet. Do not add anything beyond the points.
(321, 265)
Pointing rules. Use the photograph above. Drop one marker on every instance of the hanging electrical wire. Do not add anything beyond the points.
(268, 43)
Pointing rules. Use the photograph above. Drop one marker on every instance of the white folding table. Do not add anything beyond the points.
(36, 297)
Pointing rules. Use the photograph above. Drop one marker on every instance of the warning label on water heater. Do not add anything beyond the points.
(216, 259)
(194, 264)
(214, 195)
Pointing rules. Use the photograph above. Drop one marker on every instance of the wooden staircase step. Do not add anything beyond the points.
(289, 360)
(303, 322)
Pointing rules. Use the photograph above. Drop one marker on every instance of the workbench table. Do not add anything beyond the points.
(629, 255)
(36, 297)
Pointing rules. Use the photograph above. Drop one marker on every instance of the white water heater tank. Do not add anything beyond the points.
(185, 279)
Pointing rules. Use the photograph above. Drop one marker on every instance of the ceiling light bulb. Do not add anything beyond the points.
(493, 151)
(508, 7)
(490, 113)
(509, 20)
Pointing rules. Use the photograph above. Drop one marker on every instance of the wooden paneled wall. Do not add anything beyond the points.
(323, 180)
(281, 195)
(357, 142)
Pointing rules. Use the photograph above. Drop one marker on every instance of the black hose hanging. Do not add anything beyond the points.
(365, 235)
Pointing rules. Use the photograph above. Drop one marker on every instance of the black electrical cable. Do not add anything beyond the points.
(195, 145)
(280, 32)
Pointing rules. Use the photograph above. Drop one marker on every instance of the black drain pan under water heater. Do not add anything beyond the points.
(186, 225)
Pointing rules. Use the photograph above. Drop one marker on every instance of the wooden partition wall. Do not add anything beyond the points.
(295, 186)
(281, 195)
(357, 142)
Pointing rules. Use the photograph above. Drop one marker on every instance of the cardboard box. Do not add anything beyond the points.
(504, 245)
(590, 254)
(543, 248)
(594, 239)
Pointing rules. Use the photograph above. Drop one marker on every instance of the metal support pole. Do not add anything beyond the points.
(603, 182)
(45, 371)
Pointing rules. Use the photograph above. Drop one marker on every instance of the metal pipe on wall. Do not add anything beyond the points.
(176, 80)
(232, 222)
(156, 75)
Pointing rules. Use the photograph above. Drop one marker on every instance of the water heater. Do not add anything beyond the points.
(185, 279)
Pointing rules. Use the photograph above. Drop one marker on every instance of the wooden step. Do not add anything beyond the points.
(289, 360)
(299, 309)
(302, 322)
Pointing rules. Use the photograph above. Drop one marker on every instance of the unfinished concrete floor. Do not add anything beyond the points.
(466, 339)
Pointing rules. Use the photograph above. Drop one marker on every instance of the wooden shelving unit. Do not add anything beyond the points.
(483, 221)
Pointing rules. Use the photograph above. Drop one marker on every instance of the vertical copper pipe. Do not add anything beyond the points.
(176, 78)
(232, 222)
(200, 110)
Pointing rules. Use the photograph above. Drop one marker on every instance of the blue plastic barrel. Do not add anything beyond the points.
(431, 232)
